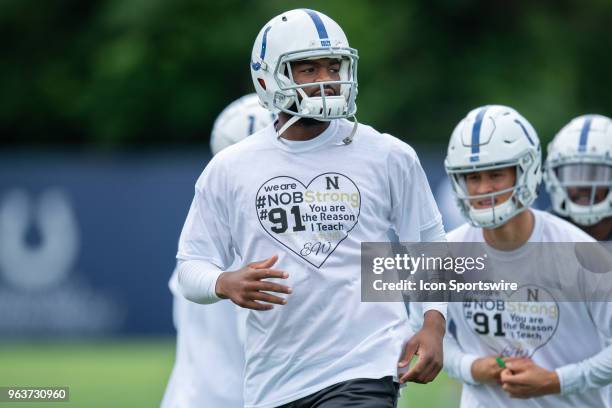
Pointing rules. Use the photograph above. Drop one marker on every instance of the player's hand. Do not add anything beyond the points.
(487, 369)
(247, 288)
(427, 345)
(525, 379)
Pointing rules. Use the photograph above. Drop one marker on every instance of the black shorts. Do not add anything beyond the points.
(358, 393)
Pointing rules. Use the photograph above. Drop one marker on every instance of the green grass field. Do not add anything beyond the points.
(132, 373)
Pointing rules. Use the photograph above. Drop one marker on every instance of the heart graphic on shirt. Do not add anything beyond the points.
(309, 219)
(513, 327)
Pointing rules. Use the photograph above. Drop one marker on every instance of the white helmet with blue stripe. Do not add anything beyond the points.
(240, 119)
(493, 137)
(295, 35)
(579, 170)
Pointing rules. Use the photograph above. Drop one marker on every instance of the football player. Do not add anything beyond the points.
(293, 204)
(578, 177)
(578, 174)
(493, 162)
(209, 351)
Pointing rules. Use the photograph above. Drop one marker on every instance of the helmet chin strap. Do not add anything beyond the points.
(286, 126)
(346, 141)
(294, 118)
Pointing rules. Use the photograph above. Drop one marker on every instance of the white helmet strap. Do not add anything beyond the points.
(294, 118)
(286, 125)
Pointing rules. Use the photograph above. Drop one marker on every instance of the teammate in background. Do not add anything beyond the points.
(579, 174)
(494, 162)
(209, 349)
(578, 177)
(293, 204)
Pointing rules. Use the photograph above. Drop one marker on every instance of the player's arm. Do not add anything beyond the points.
(206, 252)
(525, 379)
(596, 371)
(471, 368)
(434, 233)
(465, 367)
(413, 206)
(457, 363)
(415, 217)
(203, 282)
(426, 344)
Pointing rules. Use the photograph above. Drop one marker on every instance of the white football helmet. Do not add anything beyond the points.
(580, 157)
(295, 35)
(240, 119)
(493, 137)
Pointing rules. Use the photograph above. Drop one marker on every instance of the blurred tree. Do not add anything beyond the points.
(110, 73)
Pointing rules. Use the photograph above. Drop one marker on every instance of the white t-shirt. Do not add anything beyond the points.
(312, 203)
(209, 354)
(566, 332)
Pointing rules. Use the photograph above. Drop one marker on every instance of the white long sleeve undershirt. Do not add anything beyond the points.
(457, 363)
(197, 280)
(594, 372)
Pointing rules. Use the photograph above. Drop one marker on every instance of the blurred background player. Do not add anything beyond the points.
(494, 162)
(209, 347)
(578, 174)
(578, 177)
